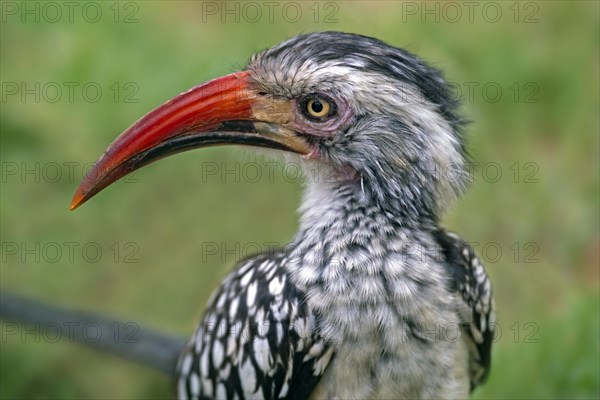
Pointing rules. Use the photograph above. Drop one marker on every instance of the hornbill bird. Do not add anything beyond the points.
(372, 298)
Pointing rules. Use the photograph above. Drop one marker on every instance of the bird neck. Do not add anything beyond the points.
(350, 203)
(340, 225)
(352, 251)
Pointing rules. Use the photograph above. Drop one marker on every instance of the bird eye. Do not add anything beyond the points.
(318, 108)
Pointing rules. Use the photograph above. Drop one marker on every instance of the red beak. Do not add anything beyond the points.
(225, 110)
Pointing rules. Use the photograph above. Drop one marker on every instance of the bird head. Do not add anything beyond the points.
(376, 118)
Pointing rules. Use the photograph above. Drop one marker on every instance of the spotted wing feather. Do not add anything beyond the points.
(257, 339)
(471, 282)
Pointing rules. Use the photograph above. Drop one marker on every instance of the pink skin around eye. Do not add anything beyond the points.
(326, 128)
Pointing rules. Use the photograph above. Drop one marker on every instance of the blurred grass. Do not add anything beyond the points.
(172, 209)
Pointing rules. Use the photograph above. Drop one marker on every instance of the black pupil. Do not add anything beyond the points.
(316, 106)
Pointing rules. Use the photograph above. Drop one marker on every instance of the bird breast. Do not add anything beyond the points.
(379, 292)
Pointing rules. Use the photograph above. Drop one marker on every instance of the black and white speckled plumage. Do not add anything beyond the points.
(257, 338)
(372, 299)
(468, 277)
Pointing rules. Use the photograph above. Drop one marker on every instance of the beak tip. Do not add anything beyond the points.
(77, 200)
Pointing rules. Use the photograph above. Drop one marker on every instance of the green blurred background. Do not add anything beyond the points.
(152, 249)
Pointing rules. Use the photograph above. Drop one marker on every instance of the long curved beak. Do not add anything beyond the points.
(225, 110)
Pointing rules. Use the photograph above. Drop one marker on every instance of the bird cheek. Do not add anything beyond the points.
(323, 129)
